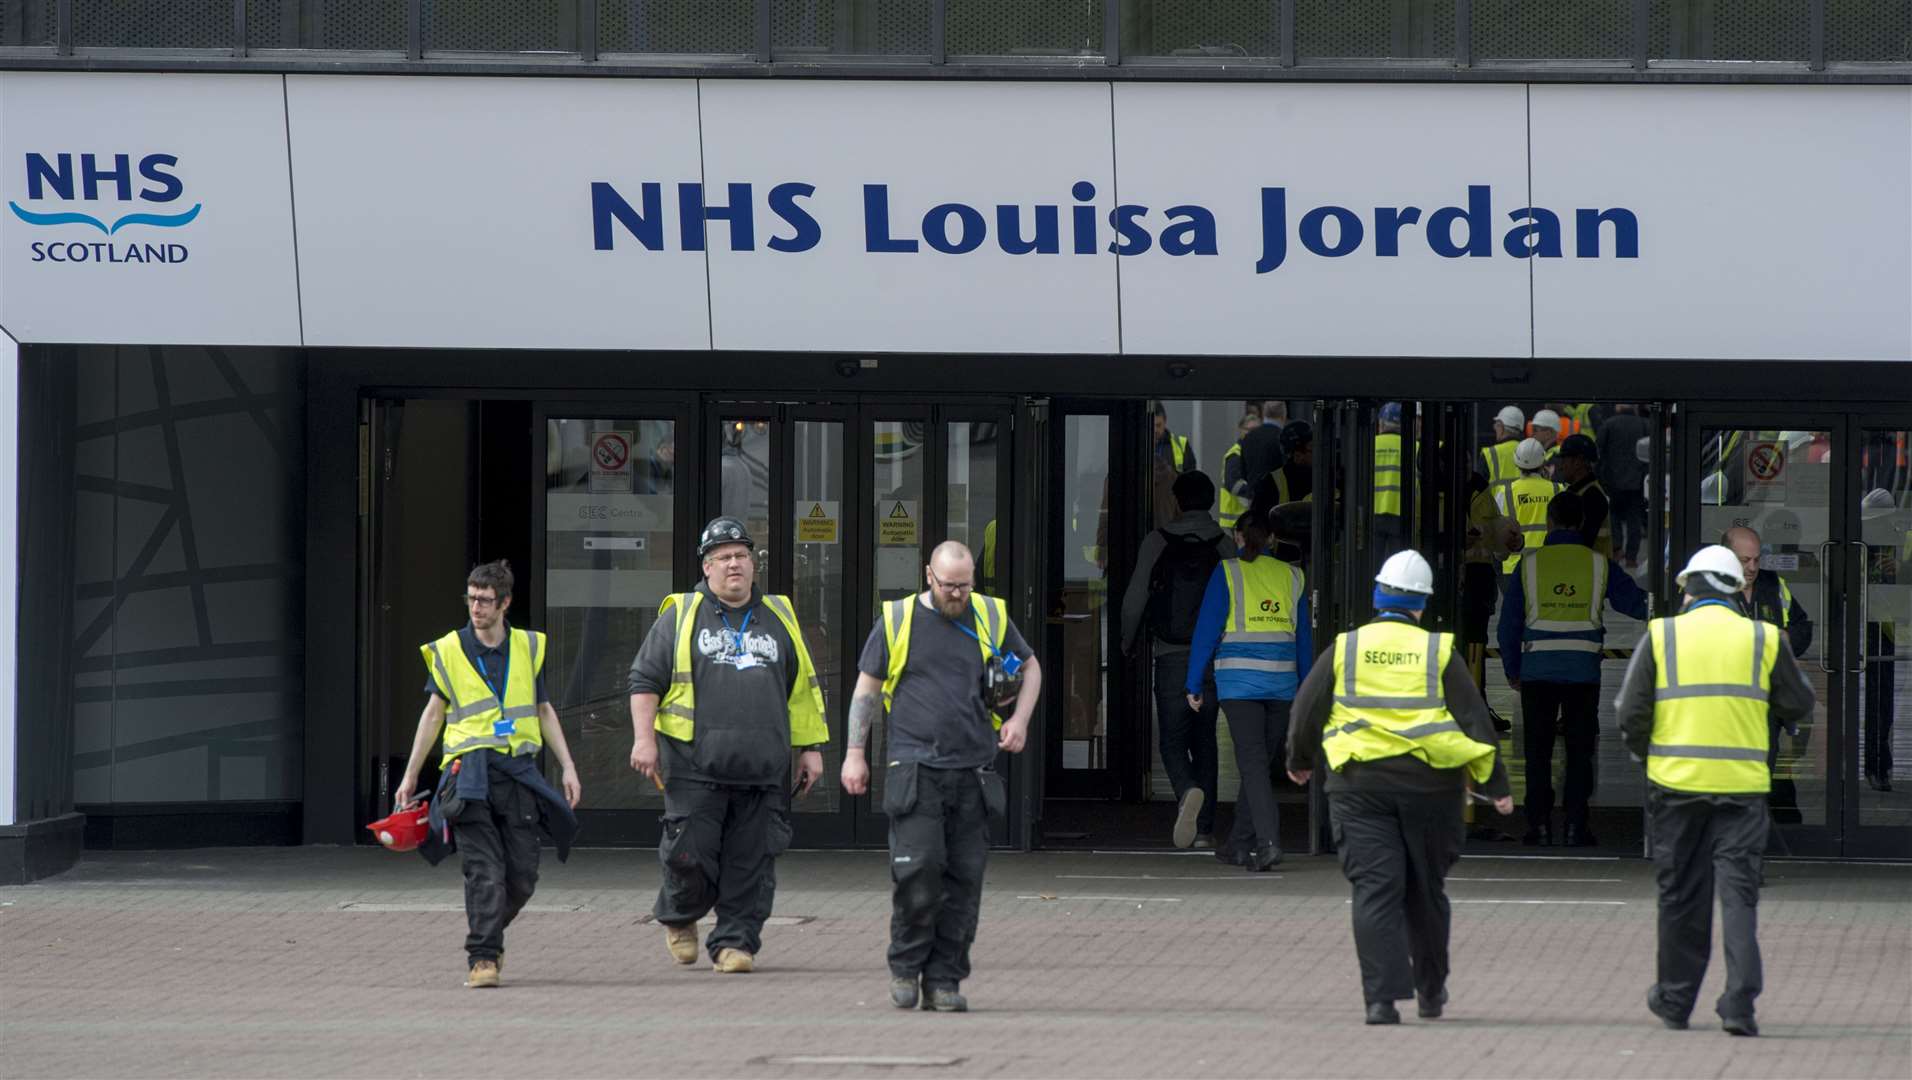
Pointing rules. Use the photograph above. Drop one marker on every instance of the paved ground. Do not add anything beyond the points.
(327, 962)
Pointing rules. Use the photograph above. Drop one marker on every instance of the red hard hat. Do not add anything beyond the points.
(403, 830)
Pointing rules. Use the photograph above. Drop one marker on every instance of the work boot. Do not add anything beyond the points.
(1204, 842)
(1538, 836)
(1429, 1008)
(1383, 1012)
(903, 991)
(483, 973)
(733, 962)
(1185, 815)
(1265, 857)
(1657, 1005)
(1229, 855)
(1581, 836)
(682, 942)
(1738, 1025)
(944, 999)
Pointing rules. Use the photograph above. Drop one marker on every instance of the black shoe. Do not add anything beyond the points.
(1738, 1025)
(903, 992)
(1229, 855)
(1488, 832)
(1539, 836)
(944, 999)
(1657, 1005)
(1502, 725)
(1265, 857)
(1383, 1012)
(1429, 1008)
(1580, 836)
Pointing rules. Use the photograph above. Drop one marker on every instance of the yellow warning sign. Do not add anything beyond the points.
(896, 527)
(817, 522)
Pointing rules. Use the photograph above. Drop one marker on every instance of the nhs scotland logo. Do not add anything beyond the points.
(82, 193)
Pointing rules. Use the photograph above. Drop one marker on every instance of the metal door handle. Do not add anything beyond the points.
(1825, 595)
(1865, 610)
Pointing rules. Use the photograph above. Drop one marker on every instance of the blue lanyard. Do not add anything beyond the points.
(722, 614)
(974, 636)
(504, 673)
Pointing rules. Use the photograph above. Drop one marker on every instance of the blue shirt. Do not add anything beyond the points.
(1623, 595)
(1238, 685)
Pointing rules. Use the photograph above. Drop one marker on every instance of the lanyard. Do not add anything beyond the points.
(504, 668)
(722, 614)
(974, 636)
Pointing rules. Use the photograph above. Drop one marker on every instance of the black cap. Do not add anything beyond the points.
(721, 531)
(1296, 434)
(1577, 445)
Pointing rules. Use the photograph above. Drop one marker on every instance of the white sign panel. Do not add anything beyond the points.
(497, 213)
(917, 216)
(1772, 221)
(146, 209)
(1322, 219)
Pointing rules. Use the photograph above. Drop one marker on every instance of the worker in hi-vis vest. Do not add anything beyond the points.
(1394, 715)
(721, 690)
(1389, 530)
(486, 688)
(1699, 693)
(1525, 500)
(1497, 460)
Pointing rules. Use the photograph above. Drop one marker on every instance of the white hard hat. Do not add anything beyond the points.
(1718, 566)
(1406, 572)
(1877, 503)
(1512, 418)
(1547, 418)
(1530, 455)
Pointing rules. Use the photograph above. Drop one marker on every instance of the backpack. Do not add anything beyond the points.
(1177, 583)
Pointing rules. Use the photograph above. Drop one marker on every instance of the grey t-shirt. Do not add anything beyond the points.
(937, 717)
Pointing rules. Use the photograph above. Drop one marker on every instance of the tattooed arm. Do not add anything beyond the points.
(866, 709)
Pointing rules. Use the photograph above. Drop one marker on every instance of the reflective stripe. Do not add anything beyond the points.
(444, 677)
(1759, 652)
(1431, 728)
(678, 710)
(1350, 652)
(477, 708)
(1721, 753)
(1243, 663)
(1237, 588)
(481, 741)
(992, 615)
(1560, 645)
(680, 676)
(520, 712)
(1354, 702)
(894, 611)
(1350, 728)
(1669, 638)
(1251, 636)
(1734, 690)
(1670, 644)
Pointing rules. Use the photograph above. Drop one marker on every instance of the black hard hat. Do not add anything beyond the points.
(1296, 434)
(721, 531)
(1578, 445)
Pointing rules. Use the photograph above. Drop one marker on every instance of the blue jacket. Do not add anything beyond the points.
(1623, 596)
(1236, 685)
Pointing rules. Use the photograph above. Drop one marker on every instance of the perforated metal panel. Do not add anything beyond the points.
(1023, 28)
(1552, 29)
(27, 22)
(362, 25)
(499, 25)
(153, 24)
(1366, 29)
(1202, 28)
(677, 26)
(1869, 30)
(1729, 30)
(883, 27)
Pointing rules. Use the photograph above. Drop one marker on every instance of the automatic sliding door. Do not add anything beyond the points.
(1880, 802)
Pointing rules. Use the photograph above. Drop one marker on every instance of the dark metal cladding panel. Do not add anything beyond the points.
(1553, 29)
(153, 24)
(1876, 30)
(839, 27)
(719, 27)
(1374, 29)
(1729, 30)
(1201, 28)
(1024, 28)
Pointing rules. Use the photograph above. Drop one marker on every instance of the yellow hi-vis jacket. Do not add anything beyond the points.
(1230, 505)
(1501, 470)
(475, 719)
(992, 622)
(1387, 473)
(1713, 679)
(677, 713)
(1525, 500)
(1388, 701)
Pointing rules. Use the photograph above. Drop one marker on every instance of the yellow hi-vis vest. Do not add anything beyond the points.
(1525, 500)
(1710, 692)
(1603, 540)
(1501, 470)
(1231, 505)
(1178, 446)
(475, 718)
(1388, 701)
(1565, 589)
(1387, 473)
(1263, 597)
(992, 620)
(1282, 494)
(677, 713)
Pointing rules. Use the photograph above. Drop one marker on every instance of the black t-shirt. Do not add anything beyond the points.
(937, 717)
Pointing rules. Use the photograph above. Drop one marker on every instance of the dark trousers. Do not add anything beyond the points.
(1189, 754)
(939, 846)
(1396, 851)
(1629, 522)
(1549, 709)
(499, 845)
(1260, 730)
(1880, 704)
(1704, 844)
(719, 849)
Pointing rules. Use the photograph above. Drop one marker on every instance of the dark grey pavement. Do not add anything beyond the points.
(328, 962)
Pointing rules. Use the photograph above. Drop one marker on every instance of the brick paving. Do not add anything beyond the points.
(327, 962)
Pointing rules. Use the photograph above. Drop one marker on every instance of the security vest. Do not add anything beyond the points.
(1177, 450)
(1501, 470)
(1565, 588)
(1282, 492)
(1602, 540)
(1387, 473)
(1258, 634)
(1780, 616)
(1231, 505)
(677, 713)
(1525, 500)
(992, 623)
(476, 719)
(1713, 677)
(1388, 701)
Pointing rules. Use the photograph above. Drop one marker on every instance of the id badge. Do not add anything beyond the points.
(1011, 663)
(746, 661)
(503, 729)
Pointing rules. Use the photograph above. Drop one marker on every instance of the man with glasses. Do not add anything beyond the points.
(725, 678)
(488, 678)
(936, 663)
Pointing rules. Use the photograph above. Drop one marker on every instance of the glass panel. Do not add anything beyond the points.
(1728, 29)
(743, 485)
(887, 27)
(1885, 524)
(156, 24)
(817, 583)
(677, 26)
(1553, 29)
(609, 513)
(895, 536)
(974, 505)
(1370, 29)
(1201, 28)
(1023, 28)
(1085, 514)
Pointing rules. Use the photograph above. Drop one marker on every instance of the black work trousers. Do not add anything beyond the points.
(1260, 730)
(719, 849)
(499, 845)
(1550, 709)
(939, 846)
(1396, 850)
(1702, 845)
(1187, 736)
(1628, 522)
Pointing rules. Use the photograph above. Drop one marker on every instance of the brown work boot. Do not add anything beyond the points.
(733, 962)
(682, 942)
(483, 973)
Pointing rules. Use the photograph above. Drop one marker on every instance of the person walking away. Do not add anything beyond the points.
(1389, 530)
(721, 689)
(1574, 471)
(1497, 459)
(487, 679)
(1402, 730)
(1235, 490)
(1164, 596)
(1696, 704)
(927, 664)
(1623, 475)
(1526, 499)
